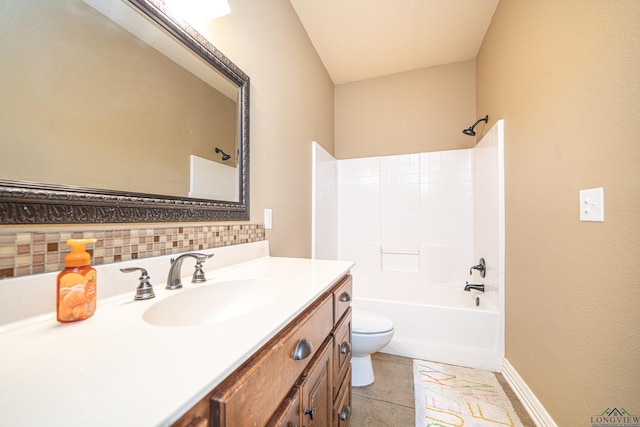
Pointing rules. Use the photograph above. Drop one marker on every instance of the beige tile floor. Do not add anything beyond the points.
(389, 401)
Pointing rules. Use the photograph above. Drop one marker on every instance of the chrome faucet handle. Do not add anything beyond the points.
(204, 257)
(145, 288)
(198, 256)
(195, 255)
(198, 274)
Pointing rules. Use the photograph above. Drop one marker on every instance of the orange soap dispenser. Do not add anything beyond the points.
(76, 284)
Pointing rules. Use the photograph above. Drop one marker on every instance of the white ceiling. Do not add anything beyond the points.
(362, 39)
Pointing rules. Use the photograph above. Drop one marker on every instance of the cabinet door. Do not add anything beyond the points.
(288, 415)
(342, 405)
(341, 351)
(317, 390)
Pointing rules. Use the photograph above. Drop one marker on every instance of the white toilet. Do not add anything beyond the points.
(370, 332)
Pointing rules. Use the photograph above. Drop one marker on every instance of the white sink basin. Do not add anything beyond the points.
(213, 302)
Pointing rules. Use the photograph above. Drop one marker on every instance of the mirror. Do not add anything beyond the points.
(84, 144)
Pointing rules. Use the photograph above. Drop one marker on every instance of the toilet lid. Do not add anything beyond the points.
(365, 322)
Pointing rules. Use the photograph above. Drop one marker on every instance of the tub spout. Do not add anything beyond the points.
(469, 286)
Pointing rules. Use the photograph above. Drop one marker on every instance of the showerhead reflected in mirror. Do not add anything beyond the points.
(225, 156)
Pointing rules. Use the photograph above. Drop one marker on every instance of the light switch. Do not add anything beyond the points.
(592, 205)
(267, 219)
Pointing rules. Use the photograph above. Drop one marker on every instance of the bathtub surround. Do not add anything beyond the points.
(489, 222)
(324, 212)
(33, 252)
(408, 216)
(415, 224)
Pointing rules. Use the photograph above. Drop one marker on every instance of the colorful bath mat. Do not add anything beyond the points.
(449, 395)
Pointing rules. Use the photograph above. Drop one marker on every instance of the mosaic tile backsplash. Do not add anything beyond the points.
(25, 253)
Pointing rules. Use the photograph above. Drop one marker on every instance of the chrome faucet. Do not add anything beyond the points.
(173, 280)
(469, 286)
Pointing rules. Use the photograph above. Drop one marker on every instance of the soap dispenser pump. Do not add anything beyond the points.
(76, 284)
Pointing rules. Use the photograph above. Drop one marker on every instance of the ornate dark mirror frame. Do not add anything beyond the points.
(23, 202)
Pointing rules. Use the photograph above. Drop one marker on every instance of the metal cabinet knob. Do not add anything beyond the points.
(345, 348)
(345, 413)
(345, 297)
(311, 412)
(303, 349)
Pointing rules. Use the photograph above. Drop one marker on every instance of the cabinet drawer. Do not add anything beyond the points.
(342, 405)
(342, 295)
(250, 395)
(341, 350)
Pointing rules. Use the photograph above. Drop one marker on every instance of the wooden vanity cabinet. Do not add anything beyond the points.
(273, 388)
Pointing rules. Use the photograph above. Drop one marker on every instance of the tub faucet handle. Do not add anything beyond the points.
(481, 267)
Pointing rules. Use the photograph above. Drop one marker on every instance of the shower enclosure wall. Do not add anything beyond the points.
(415, 224)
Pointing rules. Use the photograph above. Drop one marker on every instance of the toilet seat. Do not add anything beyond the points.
(365, 322)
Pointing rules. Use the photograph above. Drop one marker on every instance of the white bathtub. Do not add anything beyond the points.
(449, 329)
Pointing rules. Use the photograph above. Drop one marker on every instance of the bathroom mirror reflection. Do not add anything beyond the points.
(113, 111)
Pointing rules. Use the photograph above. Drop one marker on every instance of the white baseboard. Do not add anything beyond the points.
(536, 411)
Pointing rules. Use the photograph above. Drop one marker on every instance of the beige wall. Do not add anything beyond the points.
(291, 105)
(412, 112)
(564, 76)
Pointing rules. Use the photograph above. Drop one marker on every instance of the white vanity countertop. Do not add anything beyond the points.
(114, 369)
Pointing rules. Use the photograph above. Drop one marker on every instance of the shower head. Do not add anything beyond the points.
(225, 156)
(470, 131)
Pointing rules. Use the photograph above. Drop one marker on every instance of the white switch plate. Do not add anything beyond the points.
(268, 218)
(592, 205)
